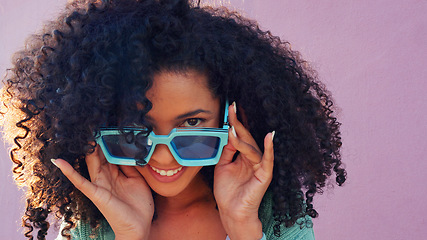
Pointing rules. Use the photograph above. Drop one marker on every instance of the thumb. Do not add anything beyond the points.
(81, 183)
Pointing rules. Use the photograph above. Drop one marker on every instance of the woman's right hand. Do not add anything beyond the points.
(119, 192)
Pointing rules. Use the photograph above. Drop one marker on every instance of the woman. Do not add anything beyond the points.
(130, 100)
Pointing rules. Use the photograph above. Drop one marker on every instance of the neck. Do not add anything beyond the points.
(196, 193)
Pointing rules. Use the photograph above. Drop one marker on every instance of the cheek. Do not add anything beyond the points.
(195, 170)
(190, 174)
(143, 171)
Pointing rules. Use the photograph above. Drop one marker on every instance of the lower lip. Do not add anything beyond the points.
(166, 179)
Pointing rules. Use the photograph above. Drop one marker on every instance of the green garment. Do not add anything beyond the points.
(302, 230)
(296, 232)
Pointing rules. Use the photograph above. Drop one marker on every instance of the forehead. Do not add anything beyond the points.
(170, 84)
(176, 92)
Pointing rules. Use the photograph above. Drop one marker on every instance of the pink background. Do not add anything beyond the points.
(372, 55)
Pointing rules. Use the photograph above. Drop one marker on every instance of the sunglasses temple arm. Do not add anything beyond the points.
(226, 113)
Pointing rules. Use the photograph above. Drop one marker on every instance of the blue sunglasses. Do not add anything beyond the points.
(189, 146)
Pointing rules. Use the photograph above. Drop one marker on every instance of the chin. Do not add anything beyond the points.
(167, 194)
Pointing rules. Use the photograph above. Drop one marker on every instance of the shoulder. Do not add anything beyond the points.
(83, 231)
(301, 230)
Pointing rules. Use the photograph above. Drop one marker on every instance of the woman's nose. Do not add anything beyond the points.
(163, 156)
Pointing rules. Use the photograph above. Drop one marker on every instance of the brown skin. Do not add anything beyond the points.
(185, 206)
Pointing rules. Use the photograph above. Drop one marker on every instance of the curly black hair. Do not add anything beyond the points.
(92, 65)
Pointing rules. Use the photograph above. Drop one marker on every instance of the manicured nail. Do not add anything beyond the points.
(54, 162)
(272, 135)
(233, 131)
(234, 107)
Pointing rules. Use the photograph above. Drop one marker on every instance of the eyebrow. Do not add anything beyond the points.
(192, 113)
(186, 115)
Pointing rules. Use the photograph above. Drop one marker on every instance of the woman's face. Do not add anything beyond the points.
(179, 100)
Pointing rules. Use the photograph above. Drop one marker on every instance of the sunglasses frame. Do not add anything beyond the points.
(221, 133)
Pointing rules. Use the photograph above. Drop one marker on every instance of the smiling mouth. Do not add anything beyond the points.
(168, 173)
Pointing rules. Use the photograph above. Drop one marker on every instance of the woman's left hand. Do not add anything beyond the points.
(240, 185)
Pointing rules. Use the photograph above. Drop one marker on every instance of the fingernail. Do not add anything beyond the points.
(54, 162)
(272, 135)
(233, 131)
(234, 107)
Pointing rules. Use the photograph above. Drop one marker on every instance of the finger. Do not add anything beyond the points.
(81, 183)
(227, 155)
(264, 171)
(94, 161)
(247, 150)
(268, 156)
(99, 196)
(240, 129)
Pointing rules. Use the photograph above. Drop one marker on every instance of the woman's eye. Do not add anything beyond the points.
(192, 122)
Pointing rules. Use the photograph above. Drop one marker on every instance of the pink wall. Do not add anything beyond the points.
(372, 55)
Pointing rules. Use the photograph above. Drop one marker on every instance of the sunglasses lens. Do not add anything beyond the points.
(127, 146)
(196, 147)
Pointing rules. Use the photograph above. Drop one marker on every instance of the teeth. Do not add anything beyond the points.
(166, 173)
